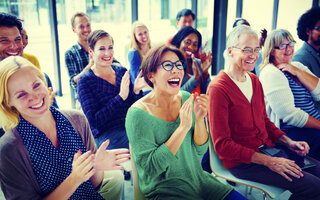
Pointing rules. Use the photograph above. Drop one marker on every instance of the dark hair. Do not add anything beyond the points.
(240, 21)
(185, 12)
(7, 20)
(96, 35)
(307, 21)
(78, 14)
(153, 57)
(184, 32)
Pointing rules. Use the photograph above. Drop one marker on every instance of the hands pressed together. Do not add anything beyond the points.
(196, 102)
(139, 84)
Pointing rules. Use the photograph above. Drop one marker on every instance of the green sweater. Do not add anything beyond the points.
(163, 175)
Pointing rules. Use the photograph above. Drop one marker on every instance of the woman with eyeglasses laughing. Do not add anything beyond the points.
(167, 133)
(290, 90)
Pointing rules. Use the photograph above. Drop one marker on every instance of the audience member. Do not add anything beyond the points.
(241, 21)
(239, 124)
(309, 31)
(139, 46)
(48, 153)
(77, 58)
(167, 133)
(105, 92)
(196, 77)
(289, 89)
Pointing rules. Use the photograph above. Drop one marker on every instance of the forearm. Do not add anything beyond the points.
(176, 139)
(283, 139)
(97, 178)
(312, 123)
(65, 189)
(200, 136)
(260, 158)
(76, 77)
(308, 80)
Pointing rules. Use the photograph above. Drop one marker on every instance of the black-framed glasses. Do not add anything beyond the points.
(168, 65)
(284, 46)
(317, 28)
(248, 50)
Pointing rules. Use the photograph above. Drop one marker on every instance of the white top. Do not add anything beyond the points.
(245, 87)
(279, 98)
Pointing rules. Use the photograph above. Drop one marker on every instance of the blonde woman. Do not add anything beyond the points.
(48, 153)
(139, 46)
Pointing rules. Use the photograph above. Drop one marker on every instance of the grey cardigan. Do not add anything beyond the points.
(17, 179)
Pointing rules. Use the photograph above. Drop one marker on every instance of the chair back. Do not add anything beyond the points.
(138, 195)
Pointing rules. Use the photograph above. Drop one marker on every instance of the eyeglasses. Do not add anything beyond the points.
(249, 50)
(317, 28)
(168, 65)
(285, 46)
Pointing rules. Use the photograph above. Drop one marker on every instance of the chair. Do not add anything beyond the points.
(138, 195)
(219, 171)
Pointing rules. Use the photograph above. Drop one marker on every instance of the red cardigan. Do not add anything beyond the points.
(237, 127)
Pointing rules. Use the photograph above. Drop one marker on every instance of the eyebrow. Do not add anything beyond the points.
(34, 82)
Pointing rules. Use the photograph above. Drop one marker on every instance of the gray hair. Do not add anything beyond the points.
(233, 38)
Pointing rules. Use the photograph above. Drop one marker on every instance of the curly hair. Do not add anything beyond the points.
(308, 21)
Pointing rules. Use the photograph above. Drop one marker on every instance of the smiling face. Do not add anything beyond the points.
(167, 81)
(185, 21)
(10, 42)
(82, 27)
(241, 60)
(189, 45)
(142, 35)
(102, 53)
(28, 94)
(284, 55)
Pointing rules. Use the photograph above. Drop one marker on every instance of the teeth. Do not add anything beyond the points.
(13, 54)
(252, 61)
(38, 105)
(175, 79)
(189, 53)
(106, 59)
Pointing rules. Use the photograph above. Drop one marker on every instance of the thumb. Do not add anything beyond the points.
(105, 144)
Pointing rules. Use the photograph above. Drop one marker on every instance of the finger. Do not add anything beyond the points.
(120, 151)
(87, 164)
(122, 160)
(120, 156)
(105, 144)
(83, 157)
(76, 156)
(285, 176)
(90, 174)
(140, 74)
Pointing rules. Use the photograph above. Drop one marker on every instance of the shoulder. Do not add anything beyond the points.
(9, 142)
(73, 115)
(72, 50)
(120, 69)
(184, 95)
(87, 77)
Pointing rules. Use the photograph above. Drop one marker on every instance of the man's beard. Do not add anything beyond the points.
(316, 42)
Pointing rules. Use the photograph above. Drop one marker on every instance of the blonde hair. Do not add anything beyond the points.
(9, 116)
(134, 42)
(275, 38)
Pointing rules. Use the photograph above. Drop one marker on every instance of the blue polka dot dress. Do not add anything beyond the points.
(51, 165)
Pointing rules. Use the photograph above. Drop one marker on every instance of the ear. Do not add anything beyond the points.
(151, 76)
(177, 22)
(308, 31)
(91, 52)
(229, 51)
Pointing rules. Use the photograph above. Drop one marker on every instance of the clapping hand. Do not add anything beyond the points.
(139, 83)
(206, 64)
(200, 105)
(110, 159)
(82, 166)
(186, 114)
(124, 87)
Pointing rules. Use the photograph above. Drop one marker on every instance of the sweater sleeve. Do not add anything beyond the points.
(218, 115)
(96, 114)
(71, 63)
(135, 62)
(151, 158)
(278, 95)
(17, 179)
